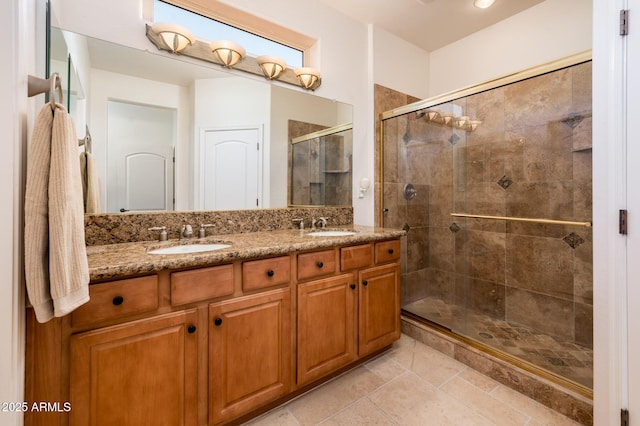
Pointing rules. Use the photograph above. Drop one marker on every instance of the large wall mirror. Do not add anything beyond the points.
(171, 133)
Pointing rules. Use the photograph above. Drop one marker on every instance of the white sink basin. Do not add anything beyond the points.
(189, 248)
(331, 233)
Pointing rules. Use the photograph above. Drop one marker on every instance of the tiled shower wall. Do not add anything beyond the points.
(530, 157)
(321, 170)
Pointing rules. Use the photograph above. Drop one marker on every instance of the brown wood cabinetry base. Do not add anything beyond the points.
(214, 345)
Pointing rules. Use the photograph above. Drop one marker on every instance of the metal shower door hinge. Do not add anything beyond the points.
(622, 222)
(624, 22)
(624, 417)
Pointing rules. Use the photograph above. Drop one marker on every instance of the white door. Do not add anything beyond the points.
(140, 163)
(633, 207)
(231, 168)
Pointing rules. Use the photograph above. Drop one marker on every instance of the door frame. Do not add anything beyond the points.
(613, 274)
(632, 156)
(198, 193)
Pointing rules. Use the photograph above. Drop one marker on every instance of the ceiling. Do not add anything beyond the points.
(429, 24)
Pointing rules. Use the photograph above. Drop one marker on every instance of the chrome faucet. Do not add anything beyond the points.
(300, 222)
(322, 220)
(187, 232)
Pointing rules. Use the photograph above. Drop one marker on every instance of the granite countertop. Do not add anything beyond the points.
(114, 261)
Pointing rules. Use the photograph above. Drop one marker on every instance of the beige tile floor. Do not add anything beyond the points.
(412, 384)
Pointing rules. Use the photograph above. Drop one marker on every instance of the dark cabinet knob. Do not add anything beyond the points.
(390, 251)
(191, 329)
(217, 321)
(118, 300)
(353, 286)
(365, 283)
(320, 264)
(270, 273)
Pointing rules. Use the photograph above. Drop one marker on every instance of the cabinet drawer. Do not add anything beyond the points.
(355, 257)
(387, 251)
(265, 273)
(201, 284)
(117, 299)
(316, 264)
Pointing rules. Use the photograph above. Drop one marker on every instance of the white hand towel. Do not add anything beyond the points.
(56, 267)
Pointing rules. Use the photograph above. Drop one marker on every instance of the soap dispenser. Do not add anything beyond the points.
(202, 231)
(163, 232)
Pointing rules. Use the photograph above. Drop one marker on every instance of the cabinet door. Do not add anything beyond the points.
(137, 373)
(379, 303)
(250, 347)
(326, 326)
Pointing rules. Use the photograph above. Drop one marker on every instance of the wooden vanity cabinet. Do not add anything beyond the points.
(379, 307)
(250, 351)
(135, 373)
(350, 315)
(379, 299)
(327, 315)
(214, 344)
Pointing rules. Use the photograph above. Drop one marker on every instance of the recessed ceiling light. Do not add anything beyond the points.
(483, 4)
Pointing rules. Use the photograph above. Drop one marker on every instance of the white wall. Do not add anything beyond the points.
(21, 41)
(400, 65)
(106, 86)
(549, 30)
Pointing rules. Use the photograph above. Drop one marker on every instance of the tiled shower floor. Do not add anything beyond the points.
(567, 359)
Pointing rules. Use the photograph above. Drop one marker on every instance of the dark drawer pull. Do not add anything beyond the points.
(365, 283)
(320, 264)
(390, 251)
(118, 300)
(270, 273)
(217, 321)
(191, 329)
(353, 286)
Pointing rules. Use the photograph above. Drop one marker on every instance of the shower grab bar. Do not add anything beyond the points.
(525, 219)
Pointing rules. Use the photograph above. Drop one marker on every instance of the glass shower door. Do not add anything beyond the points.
(494, 190)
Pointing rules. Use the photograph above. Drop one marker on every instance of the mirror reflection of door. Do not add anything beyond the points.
(231, 168)
(140, 165)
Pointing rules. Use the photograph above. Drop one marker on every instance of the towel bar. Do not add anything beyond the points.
(525, 219)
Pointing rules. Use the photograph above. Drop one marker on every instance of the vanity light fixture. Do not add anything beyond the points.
(227, 52)
(446, 118)
(271, 66)
(473, 124)
(461, 122)
(308, 77)
(483, 4)
(174, 36)
(432, 115)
